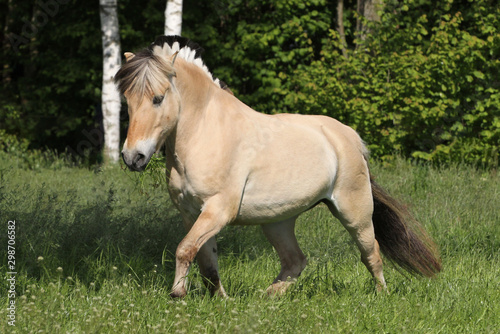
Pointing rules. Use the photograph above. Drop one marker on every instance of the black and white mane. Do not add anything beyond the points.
(148, 68)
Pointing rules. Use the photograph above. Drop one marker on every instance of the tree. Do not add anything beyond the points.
(367, 12)
(340, 27)
(110, 95)
(421, 77)
(173, 17)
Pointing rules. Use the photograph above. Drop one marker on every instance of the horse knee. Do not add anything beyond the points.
(185, 253)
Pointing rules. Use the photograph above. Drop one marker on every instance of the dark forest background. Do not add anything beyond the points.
(422, 81)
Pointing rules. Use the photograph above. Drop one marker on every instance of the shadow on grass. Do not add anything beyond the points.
(61, 233)
(60, 230)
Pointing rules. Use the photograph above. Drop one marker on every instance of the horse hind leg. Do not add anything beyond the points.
(209, 269)
(354, 208)
(282, 236)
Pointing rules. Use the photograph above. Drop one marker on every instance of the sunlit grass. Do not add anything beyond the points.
(94, 253)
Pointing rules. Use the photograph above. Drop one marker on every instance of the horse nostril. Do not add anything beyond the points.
(139, 159)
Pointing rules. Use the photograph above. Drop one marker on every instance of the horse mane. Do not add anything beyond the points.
(147, 71)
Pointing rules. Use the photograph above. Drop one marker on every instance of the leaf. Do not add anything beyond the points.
(478, 74)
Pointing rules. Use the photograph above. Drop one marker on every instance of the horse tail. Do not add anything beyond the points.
(401, 237)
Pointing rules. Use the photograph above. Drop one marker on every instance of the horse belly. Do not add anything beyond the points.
(287, 183)
(257, 212)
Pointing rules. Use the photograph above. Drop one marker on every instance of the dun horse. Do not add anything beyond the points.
(230, 165)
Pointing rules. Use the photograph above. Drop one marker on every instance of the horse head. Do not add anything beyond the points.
(146, 81)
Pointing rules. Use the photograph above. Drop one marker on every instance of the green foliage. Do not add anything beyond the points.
(154, 176)
(50, 78)
(51, 81)
(423, 84)
(420, 88)
(260, 43)
(10, 144)
(18, 152)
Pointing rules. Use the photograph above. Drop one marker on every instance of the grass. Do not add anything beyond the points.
(94, 254)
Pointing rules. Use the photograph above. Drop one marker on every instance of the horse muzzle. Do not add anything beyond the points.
(138, 158)
(135, 162)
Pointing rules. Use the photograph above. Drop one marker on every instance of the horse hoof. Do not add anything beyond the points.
(178, 294)
(220, 293)
(279, 288)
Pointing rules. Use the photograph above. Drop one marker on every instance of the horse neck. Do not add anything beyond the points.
(196, 90)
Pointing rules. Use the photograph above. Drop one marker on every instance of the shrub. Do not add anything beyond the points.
(424, 84)
(429, 90)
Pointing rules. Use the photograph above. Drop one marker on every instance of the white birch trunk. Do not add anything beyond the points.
(111, 62)
(173, 17)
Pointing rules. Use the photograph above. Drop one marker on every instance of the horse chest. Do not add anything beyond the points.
(187, 196)
(188, 204)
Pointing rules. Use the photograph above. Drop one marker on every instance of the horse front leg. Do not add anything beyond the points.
(212, 219)
(209, 268)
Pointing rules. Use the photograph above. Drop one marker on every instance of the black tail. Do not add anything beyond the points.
(401, 238)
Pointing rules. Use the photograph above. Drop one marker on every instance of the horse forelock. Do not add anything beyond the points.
(146, 74)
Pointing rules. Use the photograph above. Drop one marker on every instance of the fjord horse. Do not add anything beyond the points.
(228, 164)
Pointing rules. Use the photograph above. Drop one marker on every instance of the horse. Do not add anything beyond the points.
(228, 164)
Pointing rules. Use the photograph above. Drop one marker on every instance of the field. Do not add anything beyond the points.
(94, 253)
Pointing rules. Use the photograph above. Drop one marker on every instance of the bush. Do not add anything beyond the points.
(424, 84)
(17, 149)
(429, 90)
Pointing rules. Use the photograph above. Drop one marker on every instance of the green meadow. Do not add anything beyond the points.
(94, 253)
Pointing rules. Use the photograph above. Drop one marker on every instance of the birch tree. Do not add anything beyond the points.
(111, 62)
(367, 11)
(173, 17)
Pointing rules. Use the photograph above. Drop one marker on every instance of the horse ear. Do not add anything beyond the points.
(129, 56)
(174, 56)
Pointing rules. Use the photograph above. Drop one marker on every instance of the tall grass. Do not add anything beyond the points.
(95, 253)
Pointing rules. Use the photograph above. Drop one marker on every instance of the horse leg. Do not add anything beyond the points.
(282, 236)
(215, 215)
(207, 261)
(353, 206)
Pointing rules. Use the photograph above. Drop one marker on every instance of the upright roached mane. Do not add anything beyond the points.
(148, 69)
(228, 164)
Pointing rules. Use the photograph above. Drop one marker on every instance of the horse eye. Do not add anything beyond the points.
(157, 100)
